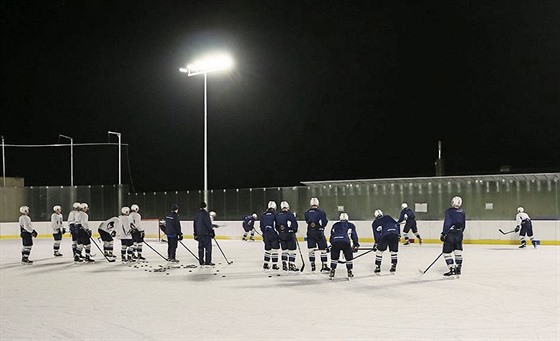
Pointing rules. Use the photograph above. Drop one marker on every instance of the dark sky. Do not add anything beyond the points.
(321, 90)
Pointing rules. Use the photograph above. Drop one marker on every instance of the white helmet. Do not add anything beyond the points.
(125, 210)
(213, 214)
(134, 208)
(84, 206)
(456, 202)
(520, 209)
(378, 213)
(343, 216)
(272, 204)
(404, 205)
(314, 202)
(76, 205)
(284, 205)
(24, 210)
(57, 208)
(255, 216)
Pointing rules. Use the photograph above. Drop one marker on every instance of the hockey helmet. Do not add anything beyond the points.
(378, 213)
(456, 202)
(57, 208)
(344, 216)
(314, 202)
(125, 210)
(76, 205)
(84, 206)
(272, 204)
(520, 209)
(404, 205)
(24, 210)
(213, 214)
(134, 208)
(285, 205)
(255, 216)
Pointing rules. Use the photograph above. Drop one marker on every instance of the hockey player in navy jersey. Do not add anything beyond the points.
(409, 218)
(454, 225)
(270, 236)
(173, 232)
(316, 220)
(386, 233)
(203, 231)
(249, 226)
(287, 227)
(341, 233)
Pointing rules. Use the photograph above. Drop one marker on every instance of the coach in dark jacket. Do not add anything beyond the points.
(203, 232)
(173, 232)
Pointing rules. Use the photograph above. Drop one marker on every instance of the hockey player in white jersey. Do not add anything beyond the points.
(137, 231)
(84, 234)
(124, 231)
(57, 229)
(72, 216)
(107, 232)
(27, 233)
(524, 227)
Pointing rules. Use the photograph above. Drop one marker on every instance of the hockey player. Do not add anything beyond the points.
(524, 227)
(341, 233)
(203, 232)
(270, 236)
(316, 220)
(107, 231)
(249, 226)
(287, 227)
(386, 233)
(173, 232)
(137, 231)
(454, 225)
(72, 216)
(57, 229)
(409, 218)
(125, 235)
(84, 234)
(27, 233)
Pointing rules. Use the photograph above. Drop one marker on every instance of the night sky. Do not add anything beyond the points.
(321, 90)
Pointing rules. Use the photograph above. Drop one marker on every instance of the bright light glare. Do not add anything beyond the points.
(210, 64)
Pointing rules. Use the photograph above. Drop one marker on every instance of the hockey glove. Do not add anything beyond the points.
(34, 234)
(63, 230)
(89, 233)
(442, 237)
(212, 234)
(142, 234)
(180, 237)
(374, 247)
(517, 228)
(195, 237)
(355, 248)
(113, 233)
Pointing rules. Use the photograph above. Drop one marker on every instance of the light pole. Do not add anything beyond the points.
(119, 136)
(203, 67)
(3, 162)
(71, 157)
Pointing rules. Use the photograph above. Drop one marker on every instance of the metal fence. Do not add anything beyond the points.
(485, 197)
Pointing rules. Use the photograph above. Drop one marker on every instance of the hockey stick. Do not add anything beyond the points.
(254, 229)
(222, 251)
(180, 241)
(358, 256)
(508, 232)
(103, 253)
(302, 261)
(148, 245)
(435, 260)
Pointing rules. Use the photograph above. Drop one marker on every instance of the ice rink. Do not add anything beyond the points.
(504, 293)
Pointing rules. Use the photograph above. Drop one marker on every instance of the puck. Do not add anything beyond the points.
(278, 275)
(215, 274)
(217, 270)
(167, 273)
(223, 275)
(269, 275)
(190, 270)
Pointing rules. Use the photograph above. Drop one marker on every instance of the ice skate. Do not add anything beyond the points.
(312, 266)
(419, 240)
(393, 269)
(331, 274)
(57, 254)
(89, 259)
(406, 242)
(275, 266)
(523, 244)
(458, 270)
(534, 244)
(325, 267)
(26, 261)
(293, 267)
(244, 239)
(450, 273)
(252, 239)
(377, 270)
(77, 258)
(266, 266)
(350, 273)
(284, 266)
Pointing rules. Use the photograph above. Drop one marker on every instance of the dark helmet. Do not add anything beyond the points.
(174, 207)
(202, 204)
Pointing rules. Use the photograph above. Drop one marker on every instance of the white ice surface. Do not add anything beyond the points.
(504, 294)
